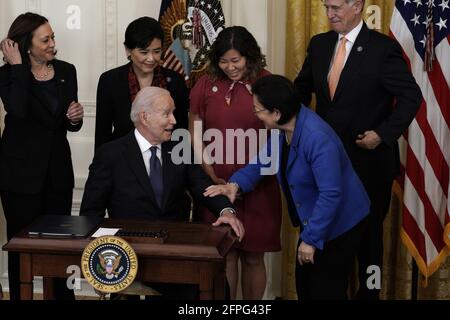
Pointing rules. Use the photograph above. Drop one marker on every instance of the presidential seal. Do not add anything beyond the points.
(109, 264)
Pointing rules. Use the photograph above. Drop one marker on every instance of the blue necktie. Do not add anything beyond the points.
(156, 178)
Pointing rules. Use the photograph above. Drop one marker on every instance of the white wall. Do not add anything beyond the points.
(97, 46)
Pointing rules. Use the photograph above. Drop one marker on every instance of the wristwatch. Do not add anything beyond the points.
(228, 209)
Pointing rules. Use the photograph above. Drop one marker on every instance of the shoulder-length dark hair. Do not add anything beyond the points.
(22, 31)
(141, 32)
(241, 40)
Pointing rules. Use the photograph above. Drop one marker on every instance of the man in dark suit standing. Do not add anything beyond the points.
(366, 92)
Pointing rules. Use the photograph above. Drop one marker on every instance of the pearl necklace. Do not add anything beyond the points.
(44, 75)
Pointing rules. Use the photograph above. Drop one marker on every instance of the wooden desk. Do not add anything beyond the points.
(192, 253)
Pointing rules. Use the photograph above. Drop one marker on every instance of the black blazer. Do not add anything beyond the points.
(114, 103)
(118, 182)
(376, 91)
(34, 146)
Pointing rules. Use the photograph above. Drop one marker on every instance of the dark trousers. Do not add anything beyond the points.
(20, 211)
(371, 250)
(327, 278)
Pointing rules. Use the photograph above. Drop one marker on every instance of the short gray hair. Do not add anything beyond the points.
(144, 101)
(352, 1)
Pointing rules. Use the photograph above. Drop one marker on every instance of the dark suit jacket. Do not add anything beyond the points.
(376, 91)
(118, 182)
(34, 146)
(114, 103)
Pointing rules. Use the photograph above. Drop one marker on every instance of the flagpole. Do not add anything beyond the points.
(414, 277)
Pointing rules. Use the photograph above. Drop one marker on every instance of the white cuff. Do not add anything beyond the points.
(227, 209)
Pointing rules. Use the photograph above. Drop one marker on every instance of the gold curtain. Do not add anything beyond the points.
(305, 18)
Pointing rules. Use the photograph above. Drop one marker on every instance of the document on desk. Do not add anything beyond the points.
(105, 232)
(61, 226)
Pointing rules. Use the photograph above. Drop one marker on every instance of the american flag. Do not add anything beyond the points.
(423, 30)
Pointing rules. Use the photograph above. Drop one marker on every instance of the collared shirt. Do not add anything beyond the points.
(351, 38)
(145, 146)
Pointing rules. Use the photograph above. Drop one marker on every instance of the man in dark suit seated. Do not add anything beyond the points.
(134, 177)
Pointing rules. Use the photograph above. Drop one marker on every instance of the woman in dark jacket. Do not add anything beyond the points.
(39, 94)
(118, 87)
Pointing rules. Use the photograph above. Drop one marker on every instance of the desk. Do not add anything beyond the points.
(192, 253)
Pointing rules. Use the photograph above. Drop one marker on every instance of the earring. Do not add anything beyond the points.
(29, 51)
(129, 58)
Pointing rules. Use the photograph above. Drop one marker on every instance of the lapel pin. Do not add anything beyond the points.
(215, 89)
(62, 80)
(359, 49)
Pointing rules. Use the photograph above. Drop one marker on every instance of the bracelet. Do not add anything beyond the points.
(235, 184)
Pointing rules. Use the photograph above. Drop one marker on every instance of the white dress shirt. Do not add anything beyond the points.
(145, 146)
(351, 38)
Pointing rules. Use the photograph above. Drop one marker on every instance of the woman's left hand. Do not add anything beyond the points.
(75, 112)
(229, 190)
(305, 253)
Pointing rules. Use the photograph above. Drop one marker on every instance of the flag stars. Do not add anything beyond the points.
(406, 1)
(209, 6)
(415, 20)
(432, 3)
(442, 23)
(202, 3)
(221, 18)
(444, 5)
(424, 41)
(216, 11)
(427, 21)
(418, 2)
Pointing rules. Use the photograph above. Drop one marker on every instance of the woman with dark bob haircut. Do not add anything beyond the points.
(323, 193)
(222, 100)
(118, 87)
(40, 96)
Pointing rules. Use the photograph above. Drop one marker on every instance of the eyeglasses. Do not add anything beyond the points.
(255, 111)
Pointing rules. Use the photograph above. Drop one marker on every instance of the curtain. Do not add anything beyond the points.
(305, 18)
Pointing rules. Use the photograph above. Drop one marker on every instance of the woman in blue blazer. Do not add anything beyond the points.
(324, 194)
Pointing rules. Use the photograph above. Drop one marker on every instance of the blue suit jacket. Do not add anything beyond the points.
(328, 196)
